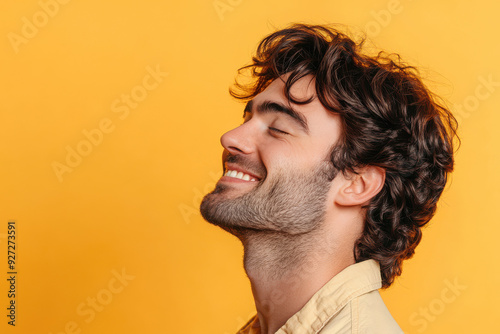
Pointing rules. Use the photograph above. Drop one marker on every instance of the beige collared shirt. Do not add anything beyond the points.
(348, 303)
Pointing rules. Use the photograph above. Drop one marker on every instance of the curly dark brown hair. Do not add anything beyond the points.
(389, 119)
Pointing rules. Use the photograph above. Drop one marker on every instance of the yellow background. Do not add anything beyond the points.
(131, 203)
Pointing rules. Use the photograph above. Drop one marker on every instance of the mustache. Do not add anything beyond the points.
(253, 167)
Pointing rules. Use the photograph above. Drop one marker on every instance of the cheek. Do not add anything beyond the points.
(319, 150)
(276, 155)
(280, 156)
(308, 153)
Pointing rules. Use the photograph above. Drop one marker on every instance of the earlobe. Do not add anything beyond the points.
(359, 189)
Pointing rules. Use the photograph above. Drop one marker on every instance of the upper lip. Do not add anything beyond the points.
(230, 166)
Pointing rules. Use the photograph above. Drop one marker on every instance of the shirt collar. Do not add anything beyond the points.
(353, 281)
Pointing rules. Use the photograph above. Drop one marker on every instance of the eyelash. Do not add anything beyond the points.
(278, 131)
(270, 128)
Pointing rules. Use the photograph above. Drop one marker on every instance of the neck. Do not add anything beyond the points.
(286, 270)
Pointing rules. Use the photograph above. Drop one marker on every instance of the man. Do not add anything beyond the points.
(338, 164)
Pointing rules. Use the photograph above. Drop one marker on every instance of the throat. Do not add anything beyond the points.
(272, 256)
(284, 271)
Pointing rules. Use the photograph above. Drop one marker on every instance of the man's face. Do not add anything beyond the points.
(277, 176)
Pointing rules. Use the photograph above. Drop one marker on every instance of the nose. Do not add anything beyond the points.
(239, 140)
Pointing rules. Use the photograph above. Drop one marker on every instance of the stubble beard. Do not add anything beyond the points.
(279, 221)
(291, 203)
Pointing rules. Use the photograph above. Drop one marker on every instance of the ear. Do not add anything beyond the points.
(359, 189)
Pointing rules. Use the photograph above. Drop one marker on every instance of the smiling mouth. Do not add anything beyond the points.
(239, 175)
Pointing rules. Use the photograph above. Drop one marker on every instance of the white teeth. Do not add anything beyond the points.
(239, 175)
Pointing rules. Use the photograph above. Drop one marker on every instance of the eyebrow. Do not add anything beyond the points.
(277, 107)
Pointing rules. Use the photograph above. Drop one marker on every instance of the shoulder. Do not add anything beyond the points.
(372, 314)
(365, 314)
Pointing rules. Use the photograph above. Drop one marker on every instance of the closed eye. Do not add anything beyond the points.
(278, 131)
